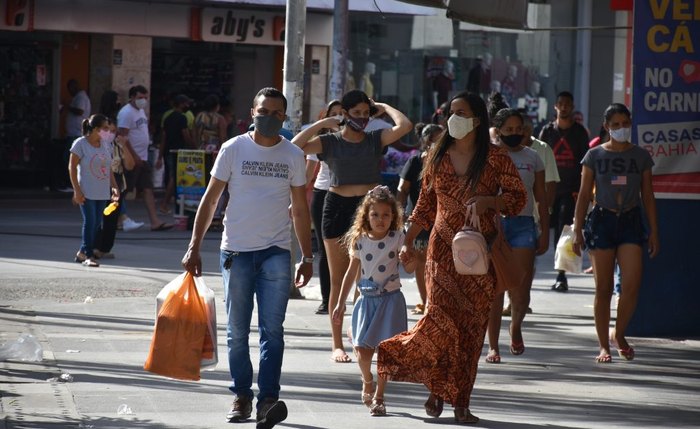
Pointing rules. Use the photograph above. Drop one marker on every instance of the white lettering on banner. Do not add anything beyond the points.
(673, 146)
(672, 101)
(260, 28)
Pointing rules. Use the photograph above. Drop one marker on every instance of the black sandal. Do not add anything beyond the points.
(433, 406)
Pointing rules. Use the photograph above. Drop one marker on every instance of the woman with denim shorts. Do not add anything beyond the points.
(520, 230)
(614, 231)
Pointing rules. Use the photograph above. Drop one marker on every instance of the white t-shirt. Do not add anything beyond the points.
(551, 174)
(379, 259)
(528, 162)
(259, 181)
(136, 122)
(323, 178)
(74, 123)
(94, 169)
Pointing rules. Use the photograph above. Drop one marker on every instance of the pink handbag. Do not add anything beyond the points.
(469, 249)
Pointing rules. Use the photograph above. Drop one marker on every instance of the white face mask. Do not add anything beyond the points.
(459, 126)
(621, 134)
(106, 137)
(141, 103)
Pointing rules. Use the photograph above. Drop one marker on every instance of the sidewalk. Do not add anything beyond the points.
(102, 345)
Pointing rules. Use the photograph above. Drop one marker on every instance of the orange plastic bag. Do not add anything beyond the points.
(180, 334)
(210, 356)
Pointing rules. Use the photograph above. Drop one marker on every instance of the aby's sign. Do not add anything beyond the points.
(259, 28)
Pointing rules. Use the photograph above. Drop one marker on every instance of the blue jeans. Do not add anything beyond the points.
(92, 219)
(267, 275)
(520, 231)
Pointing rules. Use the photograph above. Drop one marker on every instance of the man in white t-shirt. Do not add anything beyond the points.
(132, 124)
(262, 170)
(76, 111)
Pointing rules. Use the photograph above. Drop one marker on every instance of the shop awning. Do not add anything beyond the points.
(493, 13)
(378, 6)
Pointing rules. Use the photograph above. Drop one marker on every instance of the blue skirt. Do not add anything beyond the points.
(376, 318)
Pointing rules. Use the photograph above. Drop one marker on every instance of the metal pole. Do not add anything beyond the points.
(339, 60)
(294, 36)
(293, 90)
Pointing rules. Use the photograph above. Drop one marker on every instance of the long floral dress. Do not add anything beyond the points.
(442, 350)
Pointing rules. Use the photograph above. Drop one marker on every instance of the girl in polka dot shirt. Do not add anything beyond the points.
(374, 242)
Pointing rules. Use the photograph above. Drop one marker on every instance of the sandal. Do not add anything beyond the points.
(89, 262)
(367, 397)
(377, 407)
(418, 309)
(493, 358)
(80, 257)
(603, 358)
(626, 354)
(517, 348)
(463, 415)
(339, 356)
(433, 406)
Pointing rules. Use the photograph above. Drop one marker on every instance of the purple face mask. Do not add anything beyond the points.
(357, 124)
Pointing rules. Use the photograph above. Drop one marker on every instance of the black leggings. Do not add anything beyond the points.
(324, 274)
(106, 234)
(562, 214)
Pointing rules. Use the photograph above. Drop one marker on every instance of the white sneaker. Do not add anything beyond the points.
(130, 225)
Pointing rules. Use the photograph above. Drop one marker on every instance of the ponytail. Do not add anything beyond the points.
(95, 121)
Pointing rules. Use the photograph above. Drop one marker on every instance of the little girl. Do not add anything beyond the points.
(373, 242)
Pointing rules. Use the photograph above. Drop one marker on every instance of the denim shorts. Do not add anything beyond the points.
(605, 229)
(520, 231)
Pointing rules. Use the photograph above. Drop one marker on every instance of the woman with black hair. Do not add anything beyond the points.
(354, 159)
(91, 175)
(442, 350)
(613, 232)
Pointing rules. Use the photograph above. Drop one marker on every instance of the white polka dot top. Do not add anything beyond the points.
(379, 259)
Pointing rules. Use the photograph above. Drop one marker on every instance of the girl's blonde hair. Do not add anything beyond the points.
(360, 225)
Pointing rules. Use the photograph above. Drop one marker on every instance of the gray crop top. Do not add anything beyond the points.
(353, 163)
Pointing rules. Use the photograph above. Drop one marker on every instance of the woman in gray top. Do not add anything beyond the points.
(613, 230)
(353, 157)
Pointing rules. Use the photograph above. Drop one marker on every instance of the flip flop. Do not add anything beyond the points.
(493, 358)
(517, 348)
(340, 356)
(603, 358)
(162, 227)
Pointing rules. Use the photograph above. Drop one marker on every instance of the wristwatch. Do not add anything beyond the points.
(307, 259)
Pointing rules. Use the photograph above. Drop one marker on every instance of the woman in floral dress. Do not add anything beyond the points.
(442, 350)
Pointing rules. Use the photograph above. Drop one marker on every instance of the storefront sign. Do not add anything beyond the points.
(190, 177)
(666, 93)
(258, 28)
(18, 15)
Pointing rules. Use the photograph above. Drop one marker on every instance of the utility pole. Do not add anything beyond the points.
(294, 42)
(339, 58)
(293, 90)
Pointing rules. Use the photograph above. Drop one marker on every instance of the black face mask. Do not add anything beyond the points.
(269, 125)
(512, 140)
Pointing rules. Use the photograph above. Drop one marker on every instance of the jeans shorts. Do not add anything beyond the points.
(520, 231)
(606, 229)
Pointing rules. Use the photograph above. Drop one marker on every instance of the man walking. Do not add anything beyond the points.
(569, 142)
(132, 124)
(77, 110)
(261, 170)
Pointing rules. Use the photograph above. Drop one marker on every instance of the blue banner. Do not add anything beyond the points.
(666, 92)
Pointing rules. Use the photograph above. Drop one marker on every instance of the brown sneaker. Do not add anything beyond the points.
(241, 409)
(270, 413)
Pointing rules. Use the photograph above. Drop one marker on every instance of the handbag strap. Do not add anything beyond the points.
(472, 219)
(497, 219)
